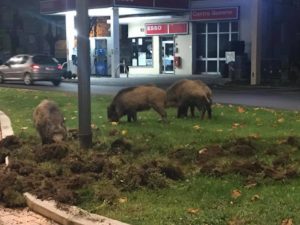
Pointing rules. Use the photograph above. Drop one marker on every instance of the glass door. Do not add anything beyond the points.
(212, 41)
(167, 56)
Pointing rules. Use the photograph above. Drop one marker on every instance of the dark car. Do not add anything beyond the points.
(30, 68)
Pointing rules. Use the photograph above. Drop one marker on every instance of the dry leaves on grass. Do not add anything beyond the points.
(255, 198)
(124, 132)
(255, 136)
(235, 221)
(235, 125)
(287, 222)
(241, 109)
(123, 200)
(196, 127)
(236, 193)
(193, 210)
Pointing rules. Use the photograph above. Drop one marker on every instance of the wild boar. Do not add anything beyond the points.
(208, 92)
(188, 93)
(49, 122)
(131, 100)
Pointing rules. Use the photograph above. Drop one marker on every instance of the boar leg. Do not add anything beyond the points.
(131, 115)
(192, 109)
(201, 109)
(182, 110)
(208, 109)
(134, 116)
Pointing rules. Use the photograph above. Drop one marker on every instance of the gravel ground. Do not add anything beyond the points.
(22, 217)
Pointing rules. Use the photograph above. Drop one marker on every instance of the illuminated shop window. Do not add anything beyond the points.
(141, 51)
(212, 40)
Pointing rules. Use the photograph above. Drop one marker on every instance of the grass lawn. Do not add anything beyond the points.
(241, 167)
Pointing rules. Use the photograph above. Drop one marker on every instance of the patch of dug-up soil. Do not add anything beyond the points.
(62, 171)
(68, 174)
(244, 157)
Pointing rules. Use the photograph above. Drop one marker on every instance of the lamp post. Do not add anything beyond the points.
(256, 42)
(84, 71)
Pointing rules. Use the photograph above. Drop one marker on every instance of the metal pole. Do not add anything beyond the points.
(256, 42)
(115, 34)
(84, 71)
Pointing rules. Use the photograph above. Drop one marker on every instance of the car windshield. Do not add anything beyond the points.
(44, 60)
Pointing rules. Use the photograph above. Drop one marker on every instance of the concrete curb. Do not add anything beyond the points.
(72, 215)
(5, 126)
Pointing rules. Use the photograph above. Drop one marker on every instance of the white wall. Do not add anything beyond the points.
(183, 44)
(136, 30)
(245, 15)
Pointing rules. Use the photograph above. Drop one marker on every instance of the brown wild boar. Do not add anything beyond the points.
(208, 92)
(49, 122)
(131, 100)
(189, 93)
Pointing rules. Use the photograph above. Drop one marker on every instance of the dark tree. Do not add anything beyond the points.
(17, 25)
(51, 40)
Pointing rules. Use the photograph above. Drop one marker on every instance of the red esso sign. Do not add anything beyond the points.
(156, 29)
(167, 28)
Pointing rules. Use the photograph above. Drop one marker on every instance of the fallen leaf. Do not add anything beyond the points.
(287, 222)
(254, 136)
(124, 132)
(123, 200)
(235, 125)
(281, 141)
(255, 198)
(251, 185)
(280, 120)
(93, 126)
(196, 127)
(241, 109)
(203, 150)
(114, 123)
(193, 210)
(24, 128)
(236, 221)
(236, 193)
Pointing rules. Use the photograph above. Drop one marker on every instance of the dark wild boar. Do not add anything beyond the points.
(49, 122)
(208, 93)
(189, 93)
(131, 100)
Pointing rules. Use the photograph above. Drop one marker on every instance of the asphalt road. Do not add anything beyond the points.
(273, 97)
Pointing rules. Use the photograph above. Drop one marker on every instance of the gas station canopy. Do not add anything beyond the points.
(58, 6)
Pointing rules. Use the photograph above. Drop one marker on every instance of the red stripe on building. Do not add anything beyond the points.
(215, 14)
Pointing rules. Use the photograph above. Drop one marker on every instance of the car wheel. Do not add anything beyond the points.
(56, 82)
(1, 78)
(28, 79)
(69, 75)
